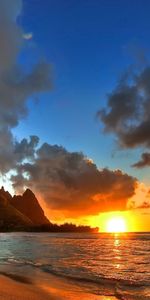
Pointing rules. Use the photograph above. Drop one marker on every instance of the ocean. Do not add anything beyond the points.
(115, 265)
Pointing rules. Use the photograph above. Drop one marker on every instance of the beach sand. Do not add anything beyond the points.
(18, 288)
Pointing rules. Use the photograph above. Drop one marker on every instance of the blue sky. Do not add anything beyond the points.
(89, 44)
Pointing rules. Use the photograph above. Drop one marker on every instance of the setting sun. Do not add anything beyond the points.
(116, 224)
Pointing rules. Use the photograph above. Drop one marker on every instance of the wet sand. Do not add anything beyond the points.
(16, 288)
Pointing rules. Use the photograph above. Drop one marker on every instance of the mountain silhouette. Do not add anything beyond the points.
(28, 205)
(20, 212)
(11, 218)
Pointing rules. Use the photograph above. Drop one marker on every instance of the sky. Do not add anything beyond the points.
(75, 77)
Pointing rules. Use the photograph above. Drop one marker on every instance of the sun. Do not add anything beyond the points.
(116, 224)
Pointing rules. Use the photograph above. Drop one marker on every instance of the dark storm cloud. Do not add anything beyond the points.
(26, 149)
(16, 86)
(6, 150)
(12, 152)
(10, 33)
(15, 89)
(121, 105)
(72, 183)
(128, 111)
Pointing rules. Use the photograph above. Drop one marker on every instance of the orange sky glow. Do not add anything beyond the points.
(135, 219)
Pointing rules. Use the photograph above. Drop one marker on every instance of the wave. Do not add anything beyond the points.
(120, 288)
(18, 278)
(48, 268)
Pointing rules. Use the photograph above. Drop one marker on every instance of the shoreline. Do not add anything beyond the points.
(14, 287)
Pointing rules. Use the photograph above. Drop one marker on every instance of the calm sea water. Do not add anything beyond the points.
(113, 265)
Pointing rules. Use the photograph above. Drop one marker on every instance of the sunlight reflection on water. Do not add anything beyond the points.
(109, 261)
(117, 251)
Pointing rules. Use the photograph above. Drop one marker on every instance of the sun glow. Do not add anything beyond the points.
(116, 224)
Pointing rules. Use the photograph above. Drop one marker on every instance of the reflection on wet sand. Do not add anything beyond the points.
(64, 290)
(54, 290)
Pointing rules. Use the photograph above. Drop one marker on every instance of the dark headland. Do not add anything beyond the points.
(24, 213)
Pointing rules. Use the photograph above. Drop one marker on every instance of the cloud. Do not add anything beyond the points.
(28, 36)
(143, 205)
(70, 182)
(26, 149)
(144, 162)
(127, 114)
(12, 152)
(10, 33)
(140, 200)
(16, 85)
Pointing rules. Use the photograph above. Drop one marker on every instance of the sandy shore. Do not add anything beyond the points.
(15, 288)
